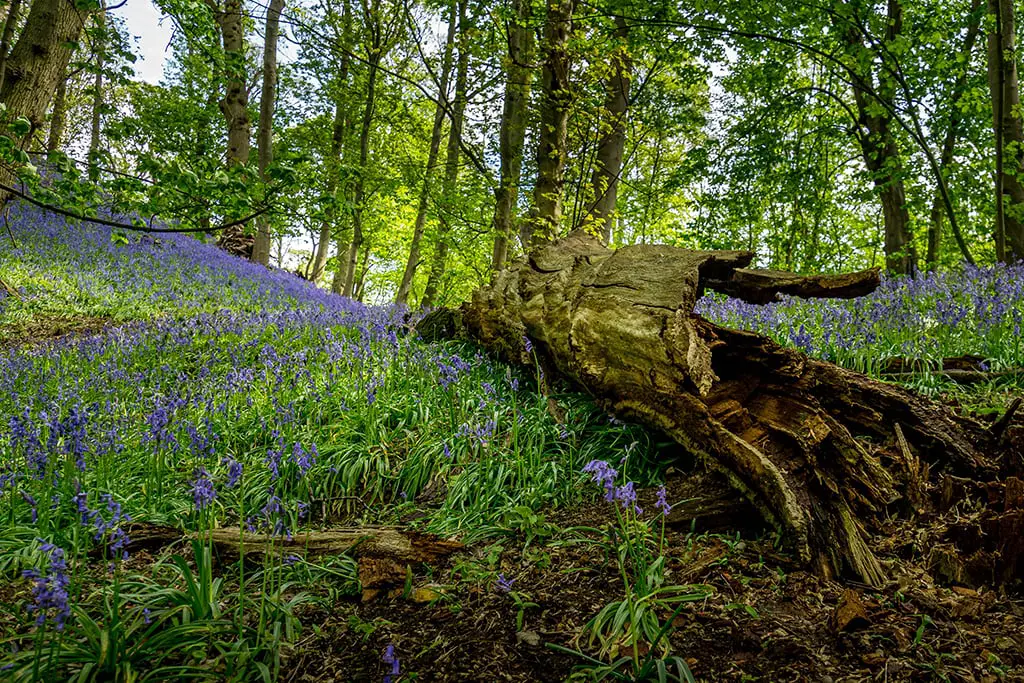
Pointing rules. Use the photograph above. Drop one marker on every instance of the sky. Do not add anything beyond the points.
(144, 20)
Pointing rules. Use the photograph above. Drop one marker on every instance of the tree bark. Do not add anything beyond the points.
(338, 281)
(413, 262)
(39, 59)
(56, 133)
(803, 440)
(265, 130)
(451, 167)
(879, 148)
(1004, 87)
(612, 144)
(512, 134)
(554, 120)
(10, 24)
(235, 107)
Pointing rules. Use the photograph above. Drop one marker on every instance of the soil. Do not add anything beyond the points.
(48, 327)
(764, 618)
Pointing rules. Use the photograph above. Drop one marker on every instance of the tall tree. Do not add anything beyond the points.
(379, 32)
(100, 43)
(1006, 121)
(265, 130)
(235, 103)
(512, 134)
(612, 143)
(875, 104)
(954, 103)
(556, 98)
(412, 263)
(451, 167)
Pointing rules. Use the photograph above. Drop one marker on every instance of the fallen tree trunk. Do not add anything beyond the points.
(811, 445)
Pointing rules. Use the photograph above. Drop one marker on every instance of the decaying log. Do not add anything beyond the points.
(381, 542)
(764, 286)
(803, 440)
(373, 546)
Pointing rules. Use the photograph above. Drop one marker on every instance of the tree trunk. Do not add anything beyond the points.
(10, 24)
(333, 172)
(803, 440)
(265, 131)
(952, 133)
(338, 281)
(612, 144)
(451, 167)
(413, 262)
(879, 148)
(554, 121)
(1006, 121)
(39, 59)
(364, 268)
(512, 134)
(339, 134)
(97, 86)
(235, 107)
(359, 191)
(56, 133)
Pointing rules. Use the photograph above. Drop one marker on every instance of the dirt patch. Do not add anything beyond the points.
(46, 327)
(763, 619)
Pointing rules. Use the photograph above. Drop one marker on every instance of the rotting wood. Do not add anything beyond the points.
(370, 541)
(800, 438)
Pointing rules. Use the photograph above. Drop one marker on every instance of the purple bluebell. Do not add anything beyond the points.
(203, 491)
(50, 588)
(662, 502)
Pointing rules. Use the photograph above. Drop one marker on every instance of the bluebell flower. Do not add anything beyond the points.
(50, 589)
(203, 491)
(662, 502)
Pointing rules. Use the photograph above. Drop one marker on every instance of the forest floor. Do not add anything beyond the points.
(192, 392)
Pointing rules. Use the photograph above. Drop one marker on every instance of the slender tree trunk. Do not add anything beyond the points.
(952, 133)
(451, 170)
(10, 24)
(612, 144)
(338, 281)
(554, 120)
(402, 297)
(339, 134)
(97, 86)
(1006, 121)
(880, 151)
(359, 191)
(265, 131)
(364, 268)
(333, 171)
(53, 140)
(512, 135)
